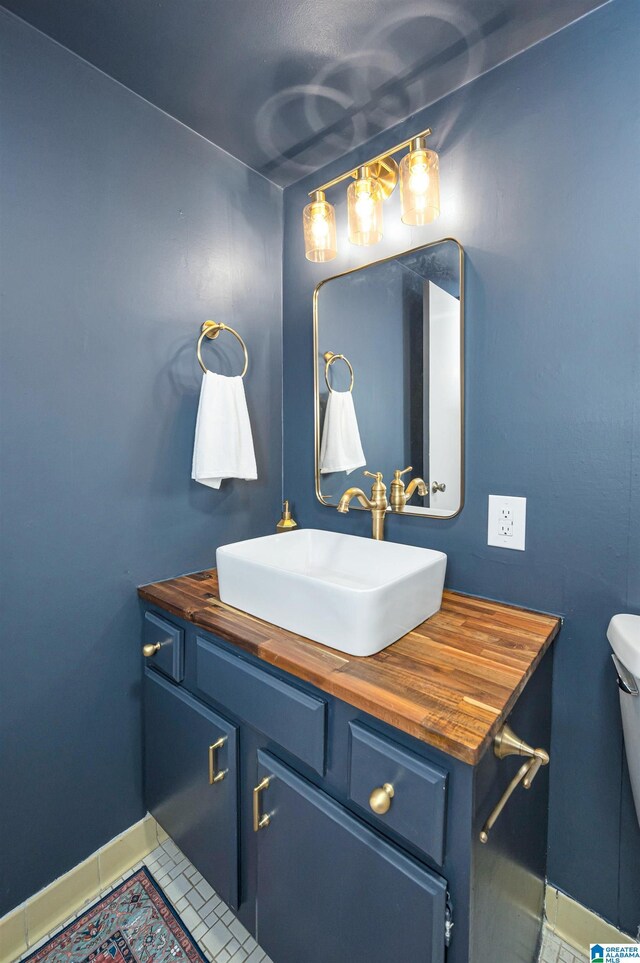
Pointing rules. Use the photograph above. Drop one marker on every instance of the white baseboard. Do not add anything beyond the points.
(28, 923)
(577, 925)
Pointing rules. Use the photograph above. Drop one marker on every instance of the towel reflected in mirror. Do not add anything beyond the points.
(341, 448)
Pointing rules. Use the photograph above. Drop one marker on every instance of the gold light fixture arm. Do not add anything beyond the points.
(507, 743)
(380, 166)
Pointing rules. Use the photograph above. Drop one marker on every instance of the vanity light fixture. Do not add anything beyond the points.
(374, 181)
(419, 184)
(364, 209)
(319, 220)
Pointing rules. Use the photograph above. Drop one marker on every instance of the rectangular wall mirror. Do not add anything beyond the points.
(391, 335)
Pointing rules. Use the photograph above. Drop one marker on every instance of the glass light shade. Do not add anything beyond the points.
(319, 223)
(419, 187)
(364, 211)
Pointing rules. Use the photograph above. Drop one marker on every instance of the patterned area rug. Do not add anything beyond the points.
(133, 924)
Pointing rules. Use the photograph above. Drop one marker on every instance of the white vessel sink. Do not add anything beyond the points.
(354, 594)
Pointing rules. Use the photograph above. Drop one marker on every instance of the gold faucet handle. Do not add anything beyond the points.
(378, 489)
(398, 474)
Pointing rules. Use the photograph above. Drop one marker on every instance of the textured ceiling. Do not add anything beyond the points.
(288, 85)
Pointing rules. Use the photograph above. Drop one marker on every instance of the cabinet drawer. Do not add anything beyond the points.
(293, 719)
(169, 658)
(417, 799)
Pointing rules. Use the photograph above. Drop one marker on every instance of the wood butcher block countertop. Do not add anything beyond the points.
(451, 682)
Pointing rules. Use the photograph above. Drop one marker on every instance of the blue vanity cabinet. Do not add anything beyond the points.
(330, 888)
(191, 780)
(337, 872)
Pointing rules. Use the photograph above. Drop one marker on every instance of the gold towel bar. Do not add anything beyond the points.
(507, 743)
(329, 358)
(211, 329)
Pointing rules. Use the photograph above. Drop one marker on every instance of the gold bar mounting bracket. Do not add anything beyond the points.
(382, 166)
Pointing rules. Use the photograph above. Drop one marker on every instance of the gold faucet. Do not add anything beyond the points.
(377, 504)
(401, 495)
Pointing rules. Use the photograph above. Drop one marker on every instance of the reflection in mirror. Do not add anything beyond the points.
(388, 341)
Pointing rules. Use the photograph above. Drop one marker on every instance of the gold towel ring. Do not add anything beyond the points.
(329, 358)
(211, 329)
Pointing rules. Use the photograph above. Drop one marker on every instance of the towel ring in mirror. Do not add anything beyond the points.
(211, 329)
(329, 358)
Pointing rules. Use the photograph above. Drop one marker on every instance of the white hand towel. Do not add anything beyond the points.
(341, 449)
(223, 445)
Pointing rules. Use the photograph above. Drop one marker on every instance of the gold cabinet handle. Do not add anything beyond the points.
(150, 649)
(380, 799)
(259, 822)
(213, 775)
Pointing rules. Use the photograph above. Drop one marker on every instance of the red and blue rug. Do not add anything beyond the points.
(134, 923)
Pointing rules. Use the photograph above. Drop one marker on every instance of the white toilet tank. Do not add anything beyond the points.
(624, 635)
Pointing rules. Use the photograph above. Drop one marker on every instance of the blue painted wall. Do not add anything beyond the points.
(539, 183)
(122, 231)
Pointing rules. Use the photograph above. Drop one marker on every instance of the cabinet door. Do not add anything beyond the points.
(329, 888)
(191, 786)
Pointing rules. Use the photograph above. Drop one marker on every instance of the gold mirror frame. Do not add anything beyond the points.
(316, 379)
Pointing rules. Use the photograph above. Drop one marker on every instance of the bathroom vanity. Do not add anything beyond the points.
(336, 803)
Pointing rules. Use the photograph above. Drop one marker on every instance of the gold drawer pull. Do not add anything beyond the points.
(380, 799)
(150, 649)
(259, 822)
(213, 775)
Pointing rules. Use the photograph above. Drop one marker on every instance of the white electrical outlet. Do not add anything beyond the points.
(507, 521)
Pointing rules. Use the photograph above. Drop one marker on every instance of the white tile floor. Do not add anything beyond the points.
(221, 937)
(219, 934)
(553, 950)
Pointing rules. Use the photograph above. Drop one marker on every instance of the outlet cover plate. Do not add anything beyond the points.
(512, 510)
